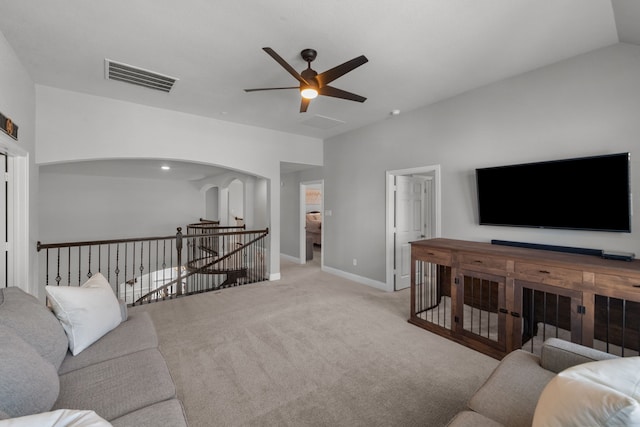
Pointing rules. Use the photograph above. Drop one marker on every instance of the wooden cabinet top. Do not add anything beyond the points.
(589, 263)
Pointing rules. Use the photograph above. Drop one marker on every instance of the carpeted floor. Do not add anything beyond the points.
(311, 349)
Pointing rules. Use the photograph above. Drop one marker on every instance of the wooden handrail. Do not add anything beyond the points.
(41, 245)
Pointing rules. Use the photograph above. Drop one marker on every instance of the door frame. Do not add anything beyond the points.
(303, 220)
(18, 215)
(390, 214)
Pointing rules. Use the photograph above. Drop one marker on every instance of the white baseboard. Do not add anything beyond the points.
(354, 277)
(290, 258)
(274, 276)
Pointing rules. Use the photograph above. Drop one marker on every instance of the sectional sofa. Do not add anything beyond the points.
(121, 379)
(568, 385)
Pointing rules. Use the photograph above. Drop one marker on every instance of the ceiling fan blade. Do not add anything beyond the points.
(285, 65)
(272, 88)
(342, 69)
(339, 93)
(304, 104)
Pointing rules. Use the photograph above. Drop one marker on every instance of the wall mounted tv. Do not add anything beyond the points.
(588, 193)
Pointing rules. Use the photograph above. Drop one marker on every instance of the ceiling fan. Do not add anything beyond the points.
(313, 84)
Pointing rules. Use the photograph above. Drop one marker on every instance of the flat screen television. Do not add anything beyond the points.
(588, 193)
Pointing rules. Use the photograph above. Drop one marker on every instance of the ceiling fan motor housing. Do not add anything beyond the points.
(309, 55)
(310, 76)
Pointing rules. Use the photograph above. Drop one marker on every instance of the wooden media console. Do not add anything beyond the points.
(497, 299)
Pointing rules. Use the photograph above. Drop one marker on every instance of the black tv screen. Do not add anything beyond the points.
(588, 193)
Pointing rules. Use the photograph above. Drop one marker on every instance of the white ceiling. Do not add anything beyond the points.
(419, 51)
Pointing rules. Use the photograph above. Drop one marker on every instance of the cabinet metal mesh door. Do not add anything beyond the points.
(478, 313)
(616, 326)
(548, 312)
(432, 287)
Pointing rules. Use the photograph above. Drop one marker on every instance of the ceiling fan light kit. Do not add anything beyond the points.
(313, 84)
(309, 93)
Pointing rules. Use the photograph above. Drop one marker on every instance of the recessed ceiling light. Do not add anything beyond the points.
(165, 167)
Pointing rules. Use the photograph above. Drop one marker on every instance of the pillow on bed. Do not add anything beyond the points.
(602, 393)
(87, 312)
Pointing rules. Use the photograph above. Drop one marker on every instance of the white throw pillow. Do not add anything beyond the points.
(59, 418)
(87, 312)
(602, 393)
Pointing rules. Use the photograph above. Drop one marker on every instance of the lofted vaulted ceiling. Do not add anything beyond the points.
(419, 51)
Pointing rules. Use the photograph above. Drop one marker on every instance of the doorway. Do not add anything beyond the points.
(311, 222)
(413, 213)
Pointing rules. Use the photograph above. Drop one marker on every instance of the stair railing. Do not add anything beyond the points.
(152, 268)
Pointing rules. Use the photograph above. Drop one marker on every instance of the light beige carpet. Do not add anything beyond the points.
(311, 349)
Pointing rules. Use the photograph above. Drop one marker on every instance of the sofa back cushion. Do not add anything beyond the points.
(28, 383)
(32, 321)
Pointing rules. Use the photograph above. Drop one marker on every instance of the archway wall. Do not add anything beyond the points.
(73, 127)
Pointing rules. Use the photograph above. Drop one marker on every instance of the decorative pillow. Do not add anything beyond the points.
(87, 312)
(602, 393)
(59, 418)
(28, 383)
(32, 321)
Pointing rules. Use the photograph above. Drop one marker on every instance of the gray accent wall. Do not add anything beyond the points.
(583, 106)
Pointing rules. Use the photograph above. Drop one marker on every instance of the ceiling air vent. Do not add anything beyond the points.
(137, 76)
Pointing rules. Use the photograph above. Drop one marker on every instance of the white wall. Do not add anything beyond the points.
(211, 204)
(105, 128)
(17, 101)
(80, 207)
(236, 201)
(587, 105)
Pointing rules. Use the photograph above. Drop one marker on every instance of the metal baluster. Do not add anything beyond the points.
(117, 271)
(69, 268)
(557, 315)
(46, 273)
(89, 272)
(58, 278)
(624, 323)
(608, 321)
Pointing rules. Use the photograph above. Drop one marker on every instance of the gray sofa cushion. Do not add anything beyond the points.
(28, 383)
(116, 387)
(4, 415)
(136, 334)
(34, 323)
(510, 394)
(166, 414)
(470, 418)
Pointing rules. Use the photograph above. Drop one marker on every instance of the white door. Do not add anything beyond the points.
(409, 225)
(3, 221)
